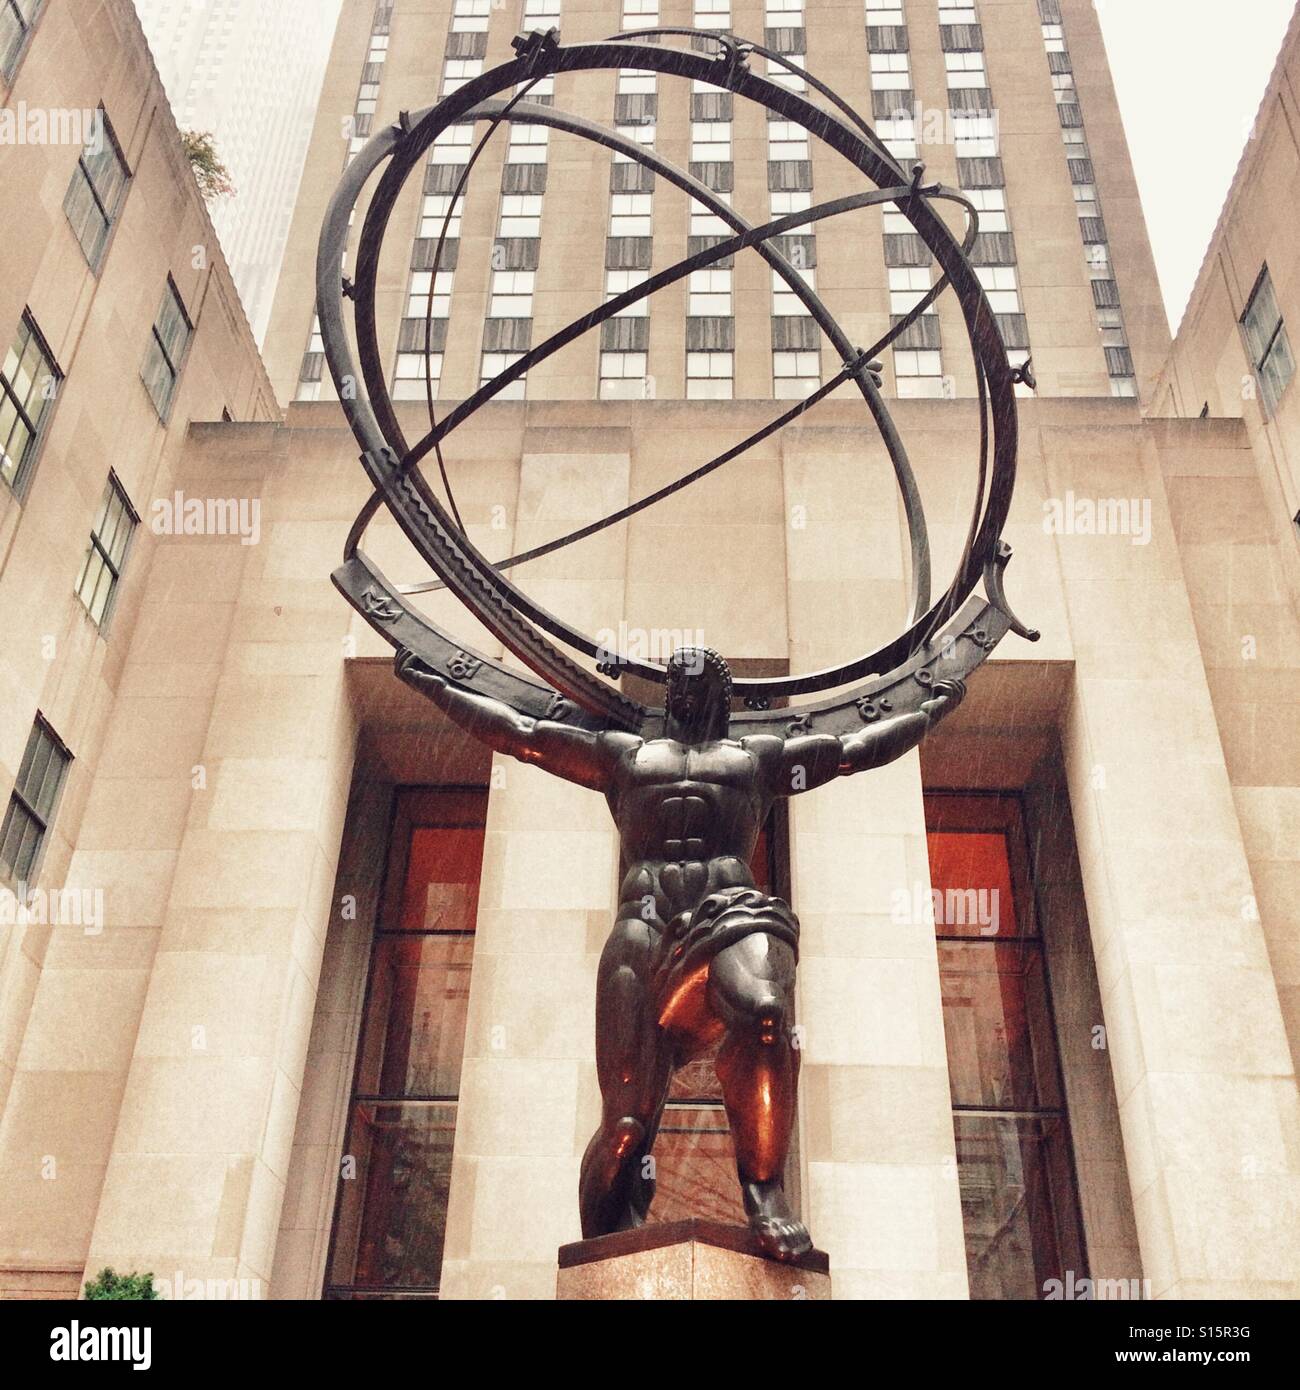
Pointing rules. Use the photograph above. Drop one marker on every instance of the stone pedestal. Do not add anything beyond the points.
(686, 1260)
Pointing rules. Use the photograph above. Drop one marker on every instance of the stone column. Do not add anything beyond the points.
(547, 898)
(881, 1192)
(196, 1174)
(1202, 1068)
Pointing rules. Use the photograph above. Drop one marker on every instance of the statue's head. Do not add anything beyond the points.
(698, 701)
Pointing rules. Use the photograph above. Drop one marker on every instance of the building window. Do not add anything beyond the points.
(624, 376)
(95, 195)
(783, 204)
(434, 213)
(707, 223)
(636, 82)
(417, 301)
(29, 386)
(1063, 86)
(521, 215)
(1085, 200)
(795, 375)
(630, 214)
(1076, 143)
(33, 803)
(965, 70)
(512, 294)
(528, 144)
(619, 282)
(785, 302)
(110, 539)
(786, 140)
(710, 294)
(470, 16)
(451, 146)
(975, 137)
(494, 363)
(1001, 287)
(414, 371)
(898, 135)
(539, 89)
(991, 203)
(1015, 1163)
(640, 14)
(1267, 342)
(540, 10)
(1018, 357)
(16, 20)
(908, 286)
(783, 76)
(710, 142)
(456, 72)
(891, 72)
(712, 14)
(391, 1212)
(784, 14)
(165, 359)
(896, 223)
(643, 134)
(885, 13)
(918, 373)
(710, 376)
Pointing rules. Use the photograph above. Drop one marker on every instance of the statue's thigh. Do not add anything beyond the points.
(751, 977)
(624, 1017)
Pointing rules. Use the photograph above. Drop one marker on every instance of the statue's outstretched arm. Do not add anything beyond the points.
(881, 743)
(815, 759)
(578, 755)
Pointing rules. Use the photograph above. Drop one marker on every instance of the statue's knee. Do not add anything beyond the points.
(624, 1136)
(763, 1017)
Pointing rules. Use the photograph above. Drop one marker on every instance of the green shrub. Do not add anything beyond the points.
(133, 1287)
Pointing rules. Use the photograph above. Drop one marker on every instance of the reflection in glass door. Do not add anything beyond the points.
(391, 1212)
(1014, 1158)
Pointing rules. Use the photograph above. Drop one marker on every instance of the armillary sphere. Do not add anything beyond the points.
(945, 638)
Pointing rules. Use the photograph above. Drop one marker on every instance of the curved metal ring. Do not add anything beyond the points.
(466, 571)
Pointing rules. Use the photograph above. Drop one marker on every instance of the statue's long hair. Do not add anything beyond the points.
(704, 662)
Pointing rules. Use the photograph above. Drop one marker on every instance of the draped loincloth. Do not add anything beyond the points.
(721, 920)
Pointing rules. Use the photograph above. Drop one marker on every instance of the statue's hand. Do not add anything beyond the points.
(948, 694)
(414, 672)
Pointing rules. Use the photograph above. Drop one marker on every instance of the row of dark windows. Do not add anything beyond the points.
(34, 799)
(31, 382)
(1092, 224)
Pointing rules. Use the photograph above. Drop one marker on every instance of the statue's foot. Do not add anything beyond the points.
(781, 1236)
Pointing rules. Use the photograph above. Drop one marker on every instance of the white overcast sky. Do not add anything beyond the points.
(1190, 75)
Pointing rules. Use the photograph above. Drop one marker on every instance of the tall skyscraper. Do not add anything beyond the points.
(1004, 101)
(248, 71)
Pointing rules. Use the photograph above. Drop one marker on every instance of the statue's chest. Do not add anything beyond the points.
(717, 767)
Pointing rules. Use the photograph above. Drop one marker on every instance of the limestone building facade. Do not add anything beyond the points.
(330, 1032)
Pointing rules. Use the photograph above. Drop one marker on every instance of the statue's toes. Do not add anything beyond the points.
(783, 1238)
